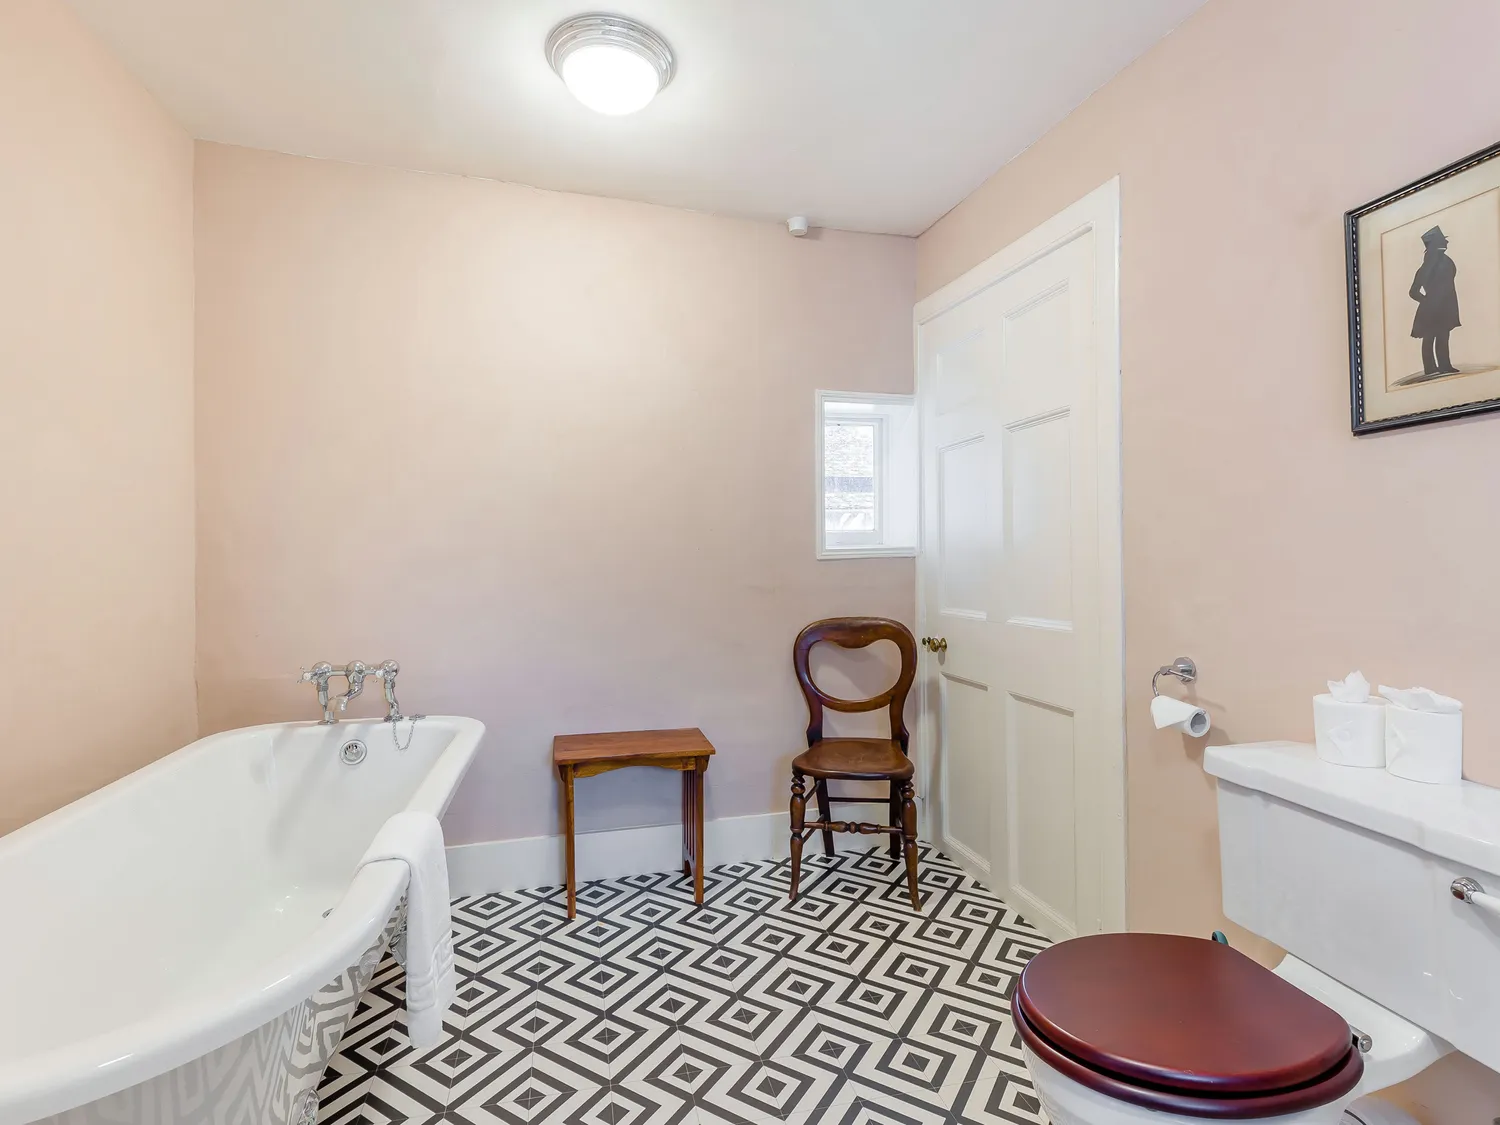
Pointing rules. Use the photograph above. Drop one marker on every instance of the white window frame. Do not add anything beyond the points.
(857, 544)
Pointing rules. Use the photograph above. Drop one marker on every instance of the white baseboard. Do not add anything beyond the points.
(977, 867)
(537, 861)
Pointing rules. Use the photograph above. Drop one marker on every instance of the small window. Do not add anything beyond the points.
(853, 456)
(866, 475)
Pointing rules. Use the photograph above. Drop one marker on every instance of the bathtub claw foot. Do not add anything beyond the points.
(305, 1109)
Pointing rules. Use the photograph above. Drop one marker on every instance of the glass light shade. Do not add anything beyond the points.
(611, 64)
(610, 79)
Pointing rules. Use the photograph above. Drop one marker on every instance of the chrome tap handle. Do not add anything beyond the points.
(318, 674)
(387, 673)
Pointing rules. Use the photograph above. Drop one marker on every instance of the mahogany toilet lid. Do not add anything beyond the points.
(1183, 1024)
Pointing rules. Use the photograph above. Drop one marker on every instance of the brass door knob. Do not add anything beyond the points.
(935, 644)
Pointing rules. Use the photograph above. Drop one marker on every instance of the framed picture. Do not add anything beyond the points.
(1424, 298)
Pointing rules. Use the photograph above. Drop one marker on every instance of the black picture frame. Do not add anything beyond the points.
(1359, 425)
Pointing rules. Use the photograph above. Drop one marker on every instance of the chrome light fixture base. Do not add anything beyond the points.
(599, 29)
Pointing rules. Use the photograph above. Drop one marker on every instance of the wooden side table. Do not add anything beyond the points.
(584, 755)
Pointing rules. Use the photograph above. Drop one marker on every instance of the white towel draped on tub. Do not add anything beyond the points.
(416, 839)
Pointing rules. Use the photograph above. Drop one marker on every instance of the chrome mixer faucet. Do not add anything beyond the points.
(353, 674)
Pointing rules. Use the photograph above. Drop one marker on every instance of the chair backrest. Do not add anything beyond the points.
(856, 632)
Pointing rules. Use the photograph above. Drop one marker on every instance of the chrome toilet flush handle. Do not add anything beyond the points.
(1467, 890)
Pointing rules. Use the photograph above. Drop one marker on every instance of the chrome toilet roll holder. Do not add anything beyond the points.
(1183, 668)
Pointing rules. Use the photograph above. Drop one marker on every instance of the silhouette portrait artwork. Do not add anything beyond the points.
(1435, 290)
(1424, 299)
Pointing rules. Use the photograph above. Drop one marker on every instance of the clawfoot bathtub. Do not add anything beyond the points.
(188, 944)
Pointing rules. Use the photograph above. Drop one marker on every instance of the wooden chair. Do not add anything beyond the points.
(855, 759)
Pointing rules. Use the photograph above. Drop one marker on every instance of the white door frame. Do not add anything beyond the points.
(1099, 212)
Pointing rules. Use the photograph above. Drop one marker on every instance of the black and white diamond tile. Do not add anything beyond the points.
(765, 1090)
(843, 1008)
(403, 1094)
(1001, 1100)
(516, 1095)
(871, 1108)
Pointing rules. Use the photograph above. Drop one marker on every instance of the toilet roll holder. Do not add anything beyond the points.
(1183, 668)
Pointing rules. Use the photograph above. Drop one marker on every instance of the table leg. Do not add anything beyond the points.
(687, 822)
(567, 782)
(698, 775)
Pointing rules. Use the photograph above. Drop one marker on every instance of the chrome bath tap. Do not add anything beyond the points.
(353, 674)
(387, 673)
(318, 674)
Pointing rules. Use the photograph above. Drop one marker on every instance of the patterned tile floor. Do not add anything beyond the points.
(843, 1008)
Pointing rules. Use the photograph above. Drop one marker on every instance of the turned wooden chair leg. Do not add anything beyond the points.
(909, 841)
(799, 809)
(895, 820)
(820, 788)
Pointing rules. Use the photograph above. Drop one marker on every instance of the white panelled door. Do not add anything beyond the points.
(1022, 733)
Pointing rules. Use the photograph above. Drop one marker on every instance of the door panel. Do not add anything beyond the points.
(966, 804)
(1041, 815)
(1040, 398)
(961, 528)
(958, 518)
(1008, 383)
(1038, 522)
(959, 379)
(1039, 339)
(1037, 661)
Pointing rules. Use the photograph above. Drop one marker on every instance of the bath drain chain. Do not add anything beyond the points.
(411, 733)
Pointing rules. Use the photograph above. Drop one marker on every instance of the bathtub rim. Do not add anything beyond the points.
(63, 1078)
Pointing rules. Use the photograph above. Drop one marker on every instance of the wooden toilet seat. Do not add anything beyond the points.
(1183, 1025)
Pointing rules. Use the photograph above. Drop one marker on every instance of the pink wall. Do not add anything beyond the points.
(96, 381)
(1260, 537)
(552, 452)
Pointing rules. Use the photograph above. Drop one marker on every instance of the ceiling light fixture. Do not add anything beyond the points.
(611, 64)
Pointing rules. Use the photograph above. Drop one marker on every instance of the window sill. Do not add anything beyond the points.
(828, 553)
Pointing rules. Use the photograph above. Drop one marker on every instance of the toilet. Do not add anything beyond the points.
(1386, 970)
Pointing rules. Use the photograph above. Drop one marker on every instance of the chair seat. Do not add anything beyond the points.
(855, 759)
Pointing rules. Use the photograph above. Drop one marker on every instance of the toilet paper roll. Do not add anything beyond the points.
(1168, 712)
(1424, 745)
(1349, 734)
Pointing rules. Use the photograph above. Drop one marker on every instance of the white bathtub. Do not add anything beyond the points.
(164, 955)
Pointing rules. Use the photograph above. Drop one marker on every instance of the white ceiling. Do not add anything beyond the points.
(871, 115)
